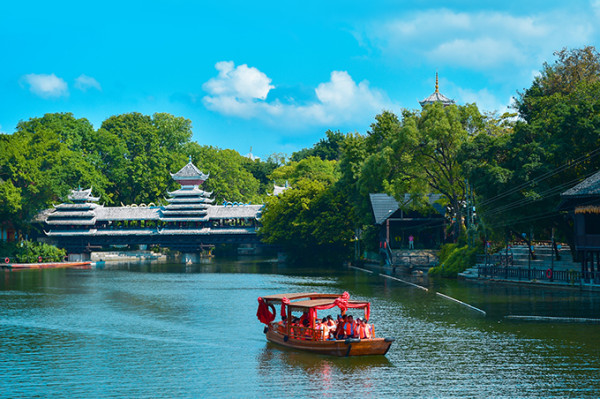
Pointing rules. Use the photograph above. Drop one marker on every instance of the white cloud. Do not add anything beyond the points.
(483, 39)
(84, 82)
(481, 52)
(485, 100)
(242, 82)
(46, 86)
(242, 92)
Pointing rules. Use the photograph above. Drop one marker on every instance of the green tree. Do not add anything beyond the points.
(328, 149)
(146, 149)
(520, 176)
(426, 154)
(38, 168)
(312, 221)
(312, 168)
(229, 178)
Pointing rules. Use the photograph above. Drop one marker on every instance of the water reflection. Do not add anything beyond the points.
(329, 375)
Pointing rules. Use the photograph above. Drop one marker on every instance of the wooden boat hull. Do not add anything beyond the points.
(348, 347)
(48, 265)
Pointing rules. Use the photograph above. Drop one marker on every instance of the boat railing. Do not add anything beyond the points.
(306, 333)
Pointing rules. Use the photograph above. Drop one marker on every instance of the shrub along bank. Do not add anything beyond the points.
(30, 252)
(454, 259)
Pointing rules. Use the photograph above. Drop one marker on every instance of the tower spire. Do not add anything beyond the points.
(437, 86)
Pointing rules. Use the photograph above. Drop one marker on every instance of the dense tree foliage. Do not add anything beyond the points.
(311, 221)
(231, 179)
(327, 148)
(555, 144)
(516, 165)
(127, 160)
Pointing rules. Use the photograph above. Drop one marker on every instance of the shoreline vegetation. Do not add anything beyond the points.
(496, 174)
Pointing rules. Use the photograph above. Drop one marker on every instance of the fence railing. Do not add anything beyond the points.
(399, 259)
(524, 273)
(496, 260)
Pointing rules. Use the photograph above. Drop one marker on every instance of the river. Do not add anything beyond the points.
(152, 330)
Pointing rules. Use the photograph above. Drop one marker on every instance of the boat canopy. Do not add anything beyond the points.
(310, 302)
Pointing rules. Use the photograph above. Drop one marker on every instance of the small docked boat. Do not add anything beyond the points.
(308, 336)
(46, 265)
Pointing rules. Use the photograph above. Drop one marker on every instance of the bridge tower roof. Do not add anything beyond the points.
(189, 175)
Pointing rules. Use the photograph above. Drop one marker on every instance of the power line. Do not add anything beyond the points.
(542, 195)
(544, 176)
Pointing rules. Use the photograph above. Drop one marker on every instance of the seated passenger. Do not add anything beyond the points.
(369, 331)
(359, 330)
(308, 333)
(330, 323)
(349, 327)
(339, 332)
(303, 317)
(325, 328)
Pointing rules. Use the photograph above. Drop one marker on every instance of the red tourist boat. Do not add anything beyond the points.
(309, 337)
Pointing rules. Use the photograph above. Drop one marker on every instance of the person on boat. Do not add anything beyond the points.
(308, 334)
(369, 333)
(303, 317)
(330, 322)
(325, 328)
(331, 325)
(358, 331)
(350, 327)
(341, 326)
(363, 329)
(281, 324)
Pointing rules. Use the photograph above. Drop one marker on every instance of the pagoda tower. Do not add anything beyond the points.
(189, 204)
(75, 217)
(436, 96)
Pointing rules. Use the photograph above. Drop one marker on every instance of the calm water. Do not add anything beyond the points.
(158, 330)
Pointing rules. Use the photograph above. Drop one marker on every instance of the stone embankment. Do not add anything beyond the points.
(515, 266)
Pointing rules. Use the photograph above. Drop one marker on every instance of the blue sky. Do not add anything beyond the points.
(274, 76)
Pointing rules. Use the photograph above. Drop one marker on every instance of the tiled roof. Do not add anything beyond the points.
(436, 97)
(588, 187)
(279, 189)
(71, 214)
(229, 212)
(190, 191)
(126, 213)
(189, 171)
(82, 195)
(78, 206)
(188, 206)
(183, 200)
(384, 205)
(72, 222)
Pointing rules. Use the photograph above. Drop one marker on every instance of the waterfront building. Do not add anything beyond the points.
(583, 204)
(436, 96)
(397, 221)
(190, 221)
